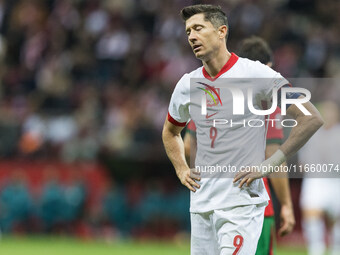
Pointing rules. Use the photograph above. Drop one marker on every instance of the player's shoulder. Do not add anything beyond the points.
(256, 68)
(185, 79)
(197, 73)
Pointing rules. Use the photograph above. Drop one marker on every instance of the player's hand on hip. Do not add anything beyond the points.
(248, 175)
(188, 178)
(287, 220)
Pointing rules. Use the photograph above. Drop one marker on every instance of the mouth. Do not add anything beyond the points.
(196, 48)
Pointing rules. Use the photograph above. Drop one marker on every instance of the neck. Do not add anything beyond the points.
(215, 64)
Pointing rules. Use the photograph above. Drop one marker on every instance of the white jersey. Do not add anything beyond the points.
(237, 145)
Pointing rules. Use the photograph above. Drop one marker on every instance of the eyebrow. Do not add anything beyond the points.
(193, 26)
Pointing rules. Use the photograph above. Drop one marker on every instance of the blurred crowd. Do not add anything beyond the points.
(85, 77)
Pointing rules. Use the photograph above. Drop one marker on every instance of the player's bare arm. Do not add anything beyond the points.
(282, 192)
(190, 147)
(174, 148)
(307, 126)
(280, 185)
(299, 135)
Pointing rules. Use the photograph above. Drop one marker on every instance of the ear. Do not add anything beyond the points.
(222, 31)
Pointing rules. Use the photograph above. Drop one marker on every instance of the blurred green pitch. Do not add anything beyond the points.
(70, 246)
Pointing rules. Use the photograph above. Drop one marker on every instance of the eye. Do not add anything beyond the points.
(198, 28)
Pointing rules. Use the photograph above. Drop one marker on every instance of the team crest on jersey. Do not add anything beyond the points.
(212, 94)
(211, 100)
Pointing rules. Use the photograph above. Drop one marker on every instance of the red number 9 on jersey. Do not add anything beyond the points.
(213, 135)
(238, 242)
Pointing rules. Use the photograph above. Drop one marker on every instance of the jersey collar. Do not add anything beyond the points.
(232, 60)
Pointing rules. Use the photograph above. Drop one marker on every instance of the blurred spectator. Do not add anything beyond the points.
(51, 201)
(15, 204)
(115, 209)
(74, 198)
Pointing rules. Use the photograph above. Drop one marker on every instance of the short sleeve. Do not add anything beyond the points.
(178, 112)
(271, 81)
(275, 81)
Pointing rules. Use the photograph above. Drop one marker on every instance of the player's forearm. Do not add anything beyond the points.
(279, 180)
(282, 191)
(307, 125)
(299, 135)
(190, 148)
(174, 147)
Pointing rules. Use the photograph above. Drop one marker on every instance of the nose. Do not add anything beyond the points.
(192, 36)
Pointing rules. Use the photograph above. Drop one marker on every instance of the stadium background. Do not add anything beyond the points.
(84, 91)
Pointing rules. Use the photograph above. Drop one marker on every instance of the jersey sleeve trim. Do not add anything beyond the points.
(175, 122)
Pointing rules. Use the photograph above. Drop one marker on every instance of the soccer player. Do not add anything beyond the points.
(319, 195)
(255, 48)
(227, 214)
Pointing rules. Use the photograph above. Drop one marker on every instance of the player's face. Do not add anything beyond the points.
(203, 37)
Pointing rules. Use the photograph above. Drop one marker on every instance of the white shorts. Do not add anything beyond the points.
(321, 194)
(228, 231)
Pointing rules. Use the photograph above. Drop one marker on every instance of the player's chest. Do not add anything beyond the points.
(228, 99)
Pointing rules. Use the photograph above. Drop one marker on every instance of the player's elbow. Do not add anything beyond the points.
(316, 122)
(320, 121)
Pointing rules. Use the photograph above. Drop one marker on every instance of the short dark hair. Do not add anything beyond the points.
(212, 13)
(255, 48)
